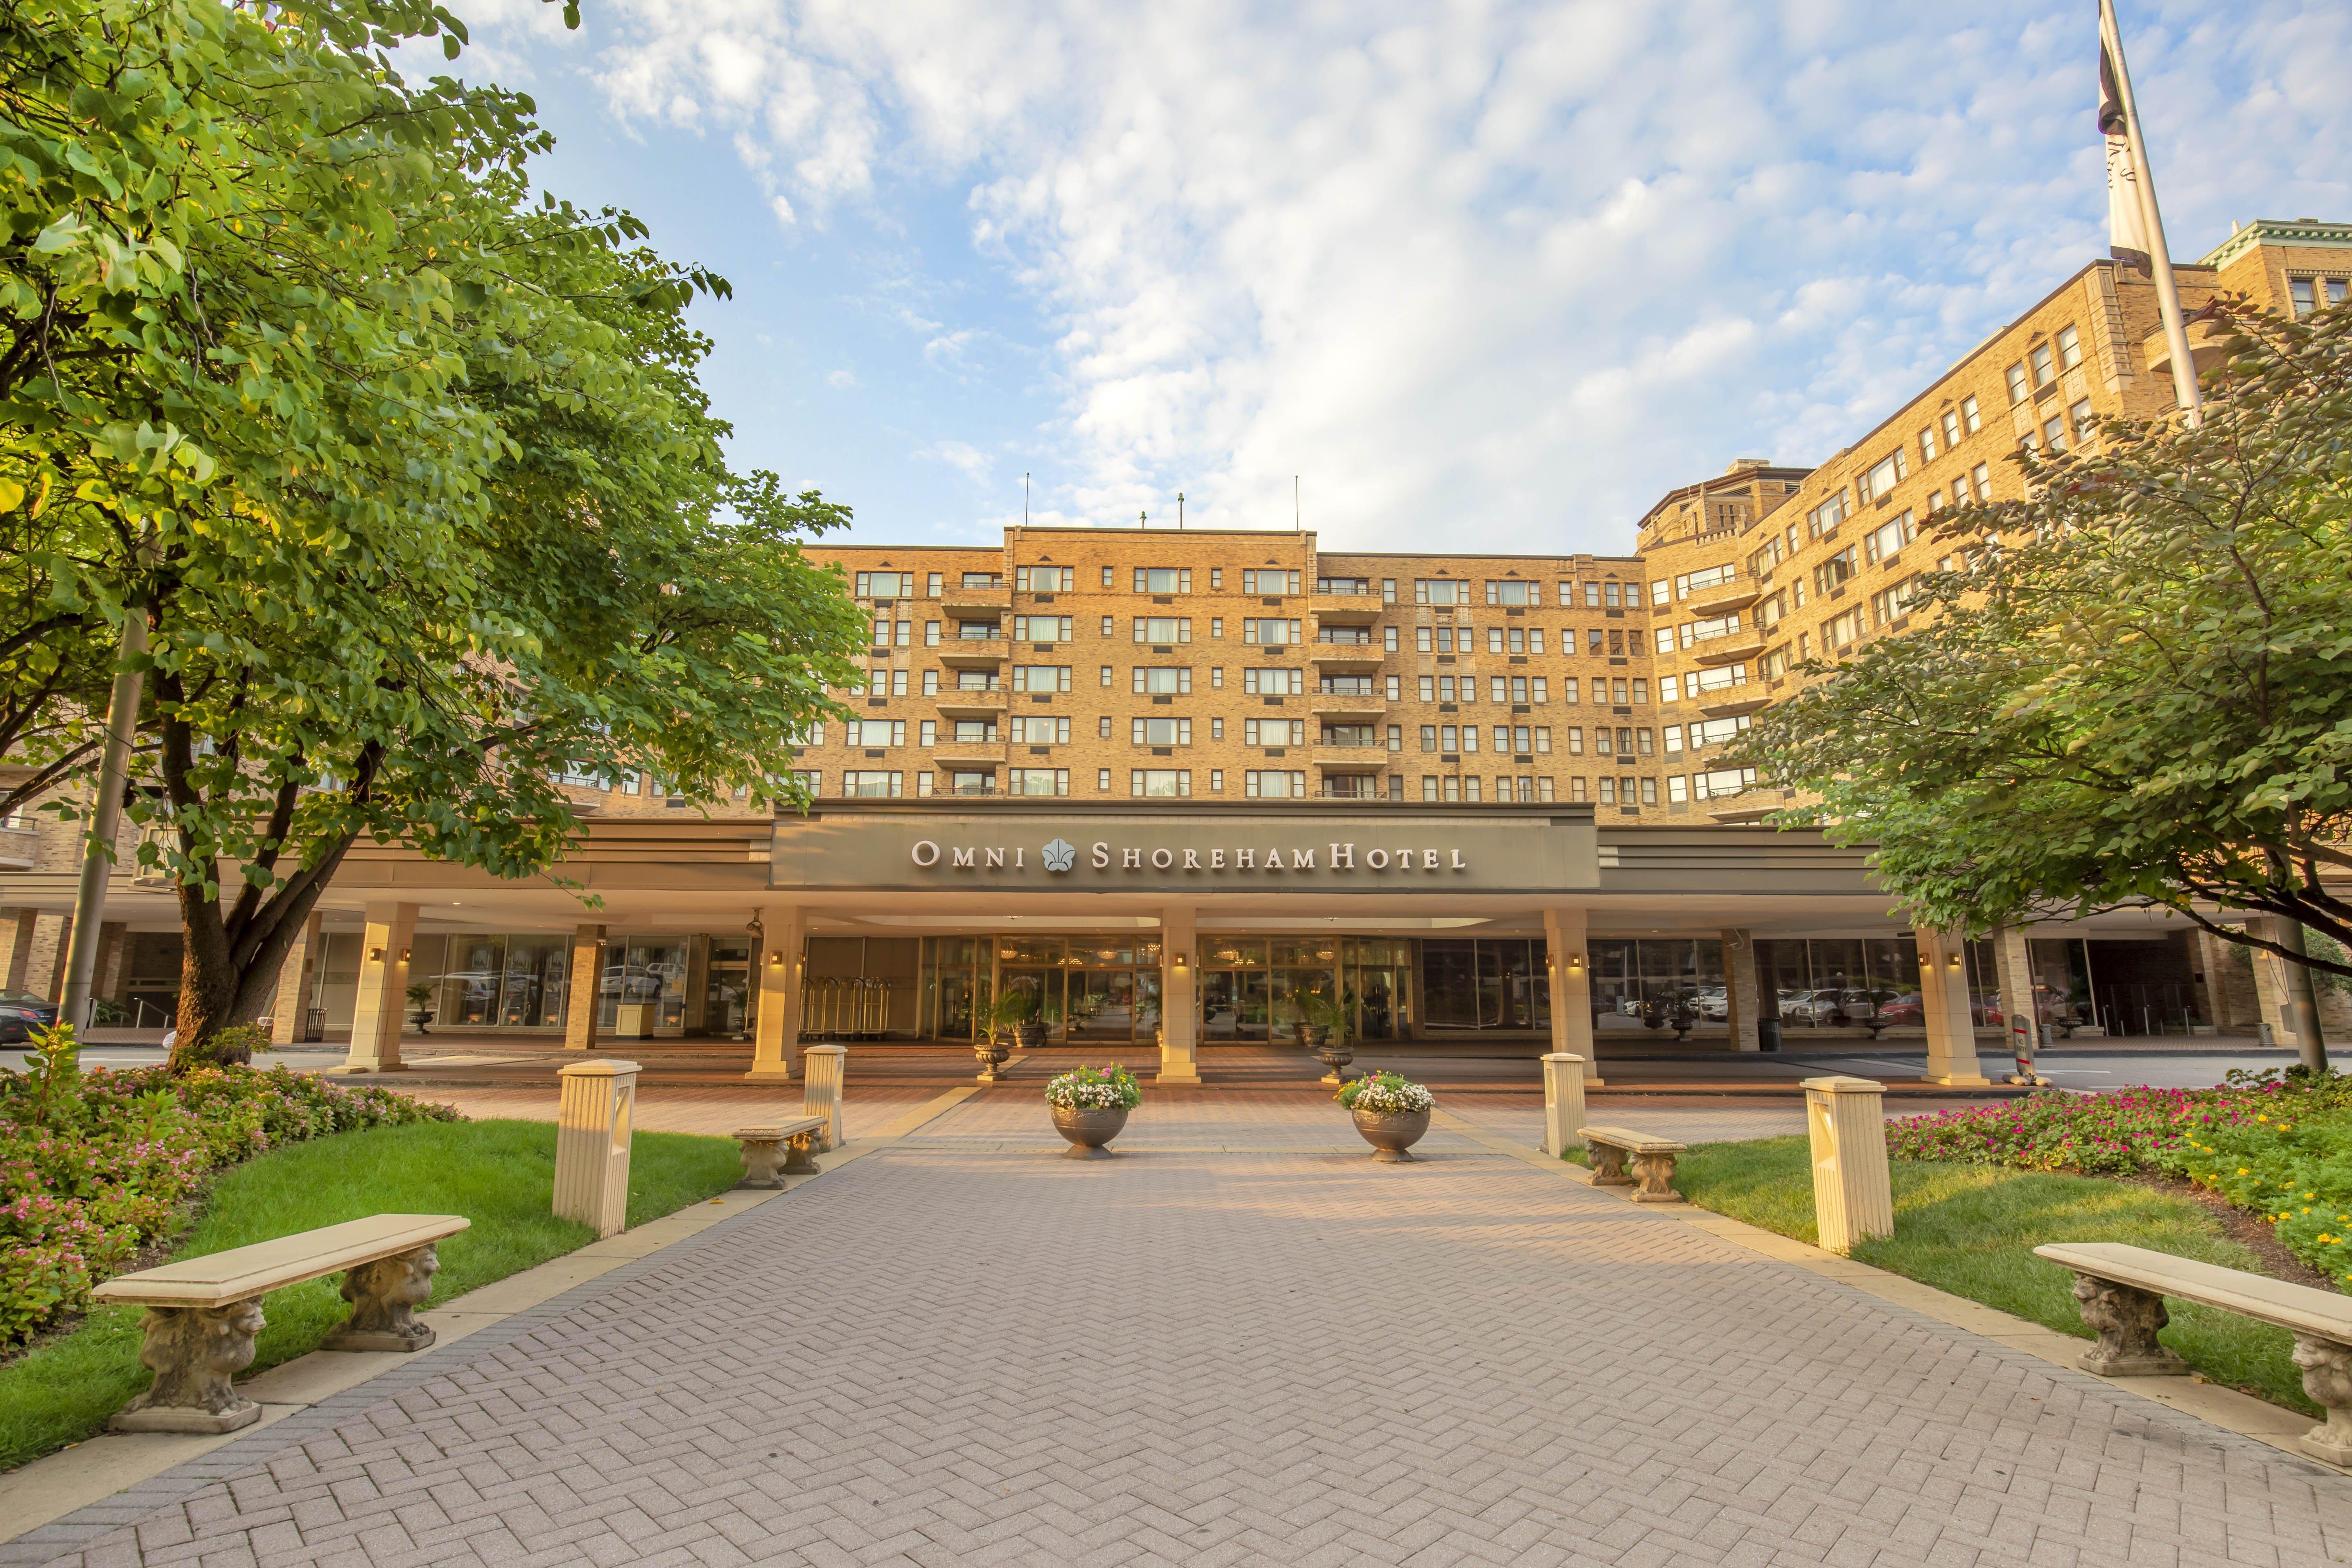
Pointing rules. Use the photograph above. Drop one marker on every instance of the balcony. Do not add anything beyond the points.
(989, 705)
(976, 602)
(1733, 706)
(1371, 757)
(972, 653)
(2208, 348)
(1346, 659)
(969, 754)
(1346, 708)
(1728, 647)
(20, 844)
(1723, 598)
(1347, 609)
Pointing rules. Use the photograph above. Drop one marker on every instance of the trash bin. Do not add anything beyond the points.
(1768, 1033)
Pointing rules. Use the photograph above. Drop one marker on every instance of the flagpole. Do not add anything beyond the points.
(2168, 292)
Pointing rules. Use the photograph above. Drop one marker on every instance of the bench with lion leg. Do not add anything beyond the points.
(202, 1313)
(774, 1150)
(1611, 1149)
(2121, 1290)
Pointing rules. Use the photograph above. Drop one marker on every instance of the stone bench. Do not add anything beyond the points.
(2122, 1289)
(203, 1314)
(775, 1150)
(1652, 1157)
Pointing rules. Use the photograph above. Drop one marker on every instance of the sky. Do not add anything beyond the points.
(1488, 273)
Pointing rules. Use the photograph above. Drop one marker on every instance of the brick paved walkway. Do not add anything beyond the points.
(963, 1350)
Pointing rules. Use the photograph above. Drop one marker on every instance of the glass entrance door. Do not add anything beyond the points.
(1102, 1006)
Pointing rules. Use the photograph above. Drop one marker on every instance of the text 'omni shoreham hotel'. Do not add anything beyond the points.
(1171, 787)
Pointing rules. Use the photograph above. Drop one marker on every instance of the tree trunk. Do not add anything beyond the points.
(229, 970)
(2302, 1000)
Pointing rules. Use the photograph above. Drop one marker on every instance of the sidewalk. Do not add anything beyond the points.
(1240, 1341)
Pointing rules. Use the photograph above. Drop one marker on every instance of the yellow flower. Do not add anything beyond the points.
(2241, 1170)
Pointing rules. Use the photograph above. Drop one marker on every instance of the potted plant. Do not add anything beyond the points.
(1391, 1111)
(1325, 1027)
(1004, 1020)
(1090, 1107)
(420, 1005)
(1037, 1032)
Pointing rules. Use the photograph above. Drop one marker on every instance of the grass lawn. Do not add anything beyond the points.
(1971, 1230)
(499, 1175)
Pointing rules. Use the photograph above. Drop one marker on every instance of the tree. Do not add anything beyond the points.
(2134, 687)
(412, 480)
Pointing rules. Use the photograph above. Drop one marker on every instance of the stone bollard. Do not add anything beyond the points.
(1564, 1102)
(592, 1143)
(1853, 1198)
(820, 1070)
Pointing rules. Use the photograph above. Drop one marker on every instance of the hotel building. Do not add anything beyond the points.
(1167, 784)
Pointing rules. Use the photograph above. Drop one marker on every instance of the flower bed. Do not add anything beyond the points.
(94, 1167)
(1386, 1094)
(1087, 1088)
(2279, 1147)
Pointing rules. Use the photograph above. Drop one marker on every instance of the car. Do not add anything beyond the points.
(1714, 1001)
(21, 1013)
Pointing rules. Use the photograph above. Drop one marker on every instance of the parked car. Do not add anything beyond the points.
(1714, 1002)
(21, 1013)
(1816, 1007)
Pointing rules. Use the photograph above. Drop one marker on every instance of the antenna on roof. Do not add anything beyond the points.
(1179, 509)
(1143, 520)
(1024, 500)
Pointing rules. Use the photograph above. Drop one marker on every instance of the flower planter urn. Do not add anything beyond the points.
(1032, 1035)
(1392, 1133)
(991, 1054)
(1088, 1129)
(420, 1017)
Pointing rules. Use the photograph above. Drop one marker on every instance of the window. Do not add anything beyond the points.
(1164, 630)
(1107, 623)
(1396, 738)
(1824, 518)
(1890, 604)
(2045, 367)
(1841, 631)
(1102, 727)
(1044, 580)
(1216, 576)
(1883, 542)
(886, 585)
(983, 579)
(1951, 427)
(1041, 629)
(1608, 789)
(1429, 689)
(1039, 677)
(1691, 583)
(1040, 730)
(1422, 636)
(871, 782)
(1266, 584)
(1162, 682)
(929, 735)
(875, 733)
(1216, 781)
(1832, 574)
(1274, 732)
(1518, 689)
(1881, 479)
(1674, 738)
(1542, 690)
(1345, 637)
(2070, 348)
(1980, 476)
(1505, 593)
(1217, 678)
(1102, 775)
(1970, 417)
(975, 732)
(931, 634)
(1160, 782)
(1428, 787)
(1274, 784)
(1934, 504)
(1216, 626)
(1393, 687)
(1440, 590)
(1162, 731)
(1037, 780)
(1106, 581)
(1163, 579)
(1721, 782)
(1927, 444)
(1216, 729)
(1388, 639)
(1274, 682)
(2053, 432)
(981, 631)
(2081, 414)
(2020, 389)
(1345, 587)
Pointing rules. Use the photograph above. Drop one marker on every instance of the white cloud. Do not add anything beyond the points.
(967, 459)
(1508, 269)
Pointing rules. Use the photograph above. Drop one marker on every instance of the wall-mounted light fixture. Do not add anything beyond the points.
(404, 955)
(1182, 959)
(775, 958)
(1576, 964)
(1953, 963)
(375, 955)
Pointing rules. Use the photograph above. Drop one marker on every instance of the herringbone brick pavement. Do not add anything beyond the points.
(964, 1351)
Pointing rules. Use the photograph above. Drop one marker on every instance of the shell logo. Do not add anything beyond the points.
(1060, 855)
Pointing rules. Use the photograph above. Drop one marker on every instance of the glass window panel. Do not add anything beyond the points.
(1308, 952)
(1030, 949)
(1230, 952)
(1089, 954)
(473, 966)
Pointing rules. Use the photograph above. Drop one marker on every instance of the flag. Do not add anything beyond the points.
(2128, 238)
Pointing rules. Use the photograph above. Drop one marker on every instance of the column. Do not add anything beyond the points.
(585, 989)
(16, 927)
(2014, 960)
(383, 997)
(1944, 996)
(1571, 988)
(44, 966)
(113, 948)
(2269, 984)
(289, 1014)
(1180, 970)
(776, 1038)
(1739, 986)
